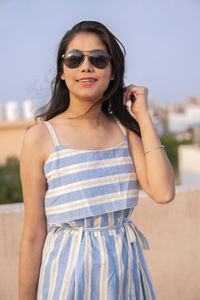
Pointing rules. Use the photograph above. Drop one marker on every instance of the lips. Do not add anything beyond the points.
(87, 79)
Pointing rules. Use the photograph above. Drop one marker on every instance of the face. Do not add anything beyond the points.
(87, 82)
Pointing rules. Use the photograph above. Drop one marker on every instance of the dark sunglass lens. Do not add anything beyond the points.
(73, 59)
(99, 59)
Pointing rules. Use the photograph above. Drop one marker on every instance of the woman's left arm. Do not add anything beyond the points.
(154, 171)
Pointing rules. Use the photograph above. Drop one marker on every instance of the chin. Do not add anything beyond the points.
(89, 97)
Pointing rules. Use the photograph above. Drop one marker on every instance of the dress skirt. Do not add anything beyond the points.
(90, 259)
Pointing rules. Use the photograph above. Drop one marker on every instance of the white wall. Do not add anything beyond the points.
(189, 164)
(181, 121)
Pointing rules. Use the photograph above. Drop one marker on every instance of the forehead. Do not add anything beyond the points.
(86, 41)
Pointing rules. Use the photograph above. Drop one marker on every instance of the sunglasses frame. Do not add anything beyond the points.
(88, 55)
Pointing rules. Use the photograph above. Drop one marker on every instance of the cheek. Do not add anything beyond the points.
(67, 76)
(107, 77)
(110, 75)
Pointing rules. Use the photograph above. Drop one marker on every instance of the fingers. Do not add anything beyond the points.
(129, 93)
(125, 99)
(132, 91)
(129, 96)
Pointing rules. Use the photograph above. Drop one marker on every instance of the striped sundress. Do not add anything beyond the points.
(92, 251)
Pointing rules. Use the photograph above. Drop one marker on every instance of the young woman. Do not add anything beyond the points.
(80, 170)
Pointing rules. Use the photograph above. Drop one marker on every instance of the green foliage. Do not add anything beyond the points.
(10, 184)
(171, 148)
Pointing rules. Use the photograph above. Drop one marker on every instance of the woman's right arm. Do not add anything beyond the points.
(35, 227)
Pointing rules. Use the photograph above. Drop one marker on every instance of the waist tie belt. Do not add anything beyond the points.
(130, 228)
(131, 232)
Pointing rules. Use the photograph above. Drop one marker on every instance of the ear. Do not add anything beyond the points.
(62, 77)
(112, 77)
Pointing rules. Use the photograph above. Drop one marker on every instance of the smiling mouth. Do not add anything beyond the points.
(87, 80)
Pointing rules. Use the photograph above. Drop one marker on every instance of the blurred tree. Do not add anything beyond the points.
(10, 184)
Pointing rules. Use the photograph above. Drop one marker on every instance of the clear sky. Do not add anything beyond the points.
(162, 40)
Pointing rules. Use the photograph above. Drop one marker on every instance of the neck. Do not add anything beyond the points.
(77, 108)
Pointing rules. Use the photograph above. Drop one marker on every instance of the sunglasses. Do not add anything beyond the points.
(98, 58)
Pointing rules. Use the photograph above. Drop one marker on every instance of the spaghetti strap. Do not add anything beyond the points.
(120, 125)
(52, 133)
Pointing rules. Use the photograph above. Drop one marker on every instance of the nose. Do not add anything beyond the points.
(86, 66)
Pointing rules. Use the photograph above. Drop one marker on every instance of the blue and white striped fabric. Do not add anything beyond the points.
(92, 250)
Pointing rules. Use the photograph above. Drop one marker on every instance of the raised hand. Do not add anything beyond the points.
(140, 96)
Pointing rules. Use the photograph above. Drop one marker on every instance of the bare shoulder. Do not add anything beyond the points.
(36, 141)
(33, 132)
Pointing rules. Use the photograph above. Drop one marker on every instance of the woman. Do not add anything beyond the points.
(80, 170)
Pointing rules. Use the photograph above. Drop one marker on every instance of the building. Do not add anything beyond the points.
(189, 164)
(11, 137)
(15, 119)
(182, 120)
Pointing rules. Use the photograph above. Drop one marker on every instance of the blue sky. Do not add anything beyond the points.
(161, 39)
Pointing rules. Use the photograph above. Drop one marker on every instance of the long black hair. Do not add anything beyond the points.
(112, 100)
